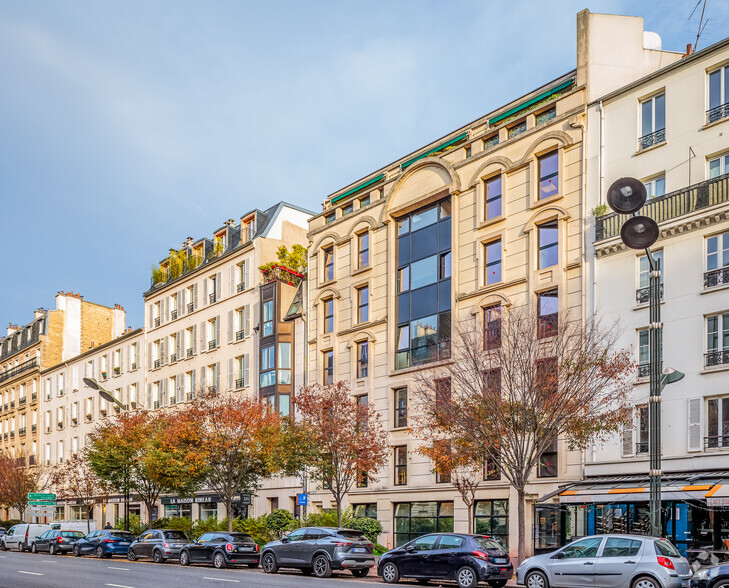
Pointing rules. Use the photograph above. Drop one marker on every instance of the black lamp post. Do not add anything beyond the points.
(109, 397)
(627, 196)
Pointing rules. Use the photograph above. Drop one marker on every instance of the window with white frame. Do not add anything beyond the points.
(652, 121)
(211, 373)
(189, 386)
(133, 395)
(718, 94)
(133, 355)
(717, 340)
(172, 348)
(655, 186)
(718, 166)
(171, 390)
(212, 327)
(190, 298)
(156, 393)
(717, 422)
(60, 451)
(240, 322)
(717, 260)
(240, 276)
(642, 293)
(189, 341)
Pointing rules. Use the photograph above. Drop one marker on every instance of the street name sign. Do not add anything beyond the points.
(41, 496)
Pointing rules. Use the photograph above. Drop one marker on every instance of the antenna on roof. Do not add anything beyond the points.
(702, 23)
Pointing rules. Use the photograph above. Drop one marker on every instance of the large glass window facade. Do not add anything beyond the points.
(413, 519)
(268, 366)
(424, 285)
(491, 517)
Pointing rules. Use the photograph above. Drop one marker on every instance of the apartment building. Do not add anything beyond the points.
(53, 336)
(670, 129)
(489, 216)
(204, 315)
(70, 410)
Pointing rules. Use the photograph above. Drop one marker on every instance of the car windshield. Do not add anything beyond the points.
(488, 543)
(175, 535)
(665, 547)
(121, 535)
(241, 537)
(352, 535)
(72, 534)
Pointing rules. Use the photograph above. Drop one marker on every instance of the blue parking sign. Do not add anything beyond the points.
(302, 499)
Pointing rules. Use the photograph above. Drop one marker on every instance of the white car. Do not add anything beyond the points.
(22, 535)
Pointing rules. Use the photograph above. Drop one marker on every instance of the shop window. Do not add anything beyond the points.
(491, 517)
(413, 519)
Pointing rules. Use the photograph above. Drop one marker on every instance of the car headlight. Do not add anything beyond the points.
(702, 575)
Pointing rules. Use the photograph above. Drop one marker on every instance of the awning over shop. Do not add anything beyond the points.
(718, 495)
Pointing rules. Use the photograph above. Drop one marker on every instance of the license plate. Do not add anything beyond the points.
(123, 542)
(245, 549)
(360, 550)
(500, 560)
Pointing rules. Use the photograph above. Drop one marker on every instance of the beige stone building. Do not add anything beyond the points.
(489, 216)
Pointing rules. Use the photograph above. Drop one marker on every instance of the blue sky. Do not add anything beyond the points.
(127, 126)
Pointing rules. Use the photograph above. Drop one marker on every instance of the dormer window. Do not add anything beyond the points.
(248, 229)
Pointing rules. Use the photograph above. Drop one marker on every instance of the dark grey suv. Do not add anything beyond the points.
(319, 550)
(158, 544)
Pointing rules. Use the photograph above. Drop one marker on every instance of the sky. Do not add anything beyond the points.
(127, 126)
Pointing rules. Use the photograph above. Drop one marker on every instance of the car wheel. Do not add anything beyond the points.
(76, 551)
(131, 556)
(536, 579)
(390, 574)
(466, 577)
(360, 573)
(322, 569)
(219, 561)
(157, 556)
(51, 549)
(33, 548)
(2, 546)
(269, 563)
(724, 584)
(645, 582)
(252, 566)
(497, 583)
(184, 558)
(99, 552)
(20, 547)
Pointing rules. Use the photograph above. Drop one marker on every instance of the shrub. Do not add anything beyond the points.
(10, 522)
(379, 549)
(256, 528)
(136, 527)
(162, 523)
(212, 524)
(370, 527)
(328, 518)
(280, 521)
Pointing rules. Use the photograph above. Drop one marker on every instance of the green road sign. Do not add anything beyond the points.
(40, 496)
(42, 503)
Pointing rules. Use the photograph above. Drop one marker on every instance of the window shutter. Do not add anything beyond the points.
(181, 303)
(93, 371)
(217, 377)
(129, 358)
(246, 276)
(164, 401)
(163, 351)
(75, 377)
(121, 359)
(217, 331)
(219, 286)
(180, 345)
(192, 383)
(167, 309)
(628, 439)
(202, 337)
(203, 373)
(179, 396)
(194, 339)
(205, 291)
(694, 424)
(231, 383)
(149, 354)
(246, 381)
(232, 280)
(247, 313)
(194, 296)
(151, 320)
(86, 369)
(230, 326)
(149, 396)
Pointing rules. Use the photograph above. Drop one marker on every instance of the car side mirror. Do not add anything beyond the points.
(284, 539)
(409, 548)
(558, 555)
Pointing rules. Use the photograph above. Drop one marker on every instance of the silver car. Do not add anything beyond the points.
(608, 561)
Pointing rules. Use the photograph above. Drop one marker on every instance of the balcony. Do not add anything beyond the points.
(213, 298)
(34, 397)
(22, 401)
(21, 432)
(716, 441)
(714, 358)
(173, 358)
(156, 403)
(642, 295)
(48, 429)
(88, 418)
(12, 404)
(74, 421)
(211, 390)
(12, 434)
(717, 277)
(644, 370)
(173, 314)
(717, 113)
(19, 369)
(33, 428)
(59, 426)
(239, 383)
(189, 352)
(134, 365)
(61, 392)
(211, 344)
(157, 322)
(673, 205)
(117, 371)
(157, 363)
(239, 335)
(240, 287)
(189, 396)
(651, 139)
(190, 307)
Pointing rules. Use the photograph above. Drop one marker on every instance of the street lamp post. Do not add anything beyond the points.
(627, 196)
(109, 397)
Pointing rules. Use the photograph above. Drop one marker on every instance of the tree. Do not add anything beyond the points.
(348, 438)
(519, 385)
(238, 437)
(16, 480)
(74, 479)
(290, 267)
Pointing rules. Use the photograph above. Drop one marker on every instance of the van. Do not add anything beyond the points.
(75, 526)
(21, 536)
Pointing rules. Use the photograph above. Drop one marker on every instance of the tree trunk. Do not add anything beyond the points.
(88, 520)
(470, 517)
(338, 499)
(228, 512)
(149, 506)
(521, 524)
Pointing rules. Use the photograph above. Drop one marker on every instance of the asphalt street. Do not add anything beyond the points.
(27, 570)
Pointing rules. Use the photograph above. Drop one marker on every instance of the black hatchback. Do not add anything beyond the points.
(54, 541)
(467, 559)
(221, 549)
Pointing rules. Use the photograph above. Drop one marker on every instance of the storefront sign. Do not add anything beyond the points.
(717, 501)
(199, 499)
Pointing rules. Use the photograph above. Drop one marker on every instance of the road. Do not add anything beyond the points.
(27, 570)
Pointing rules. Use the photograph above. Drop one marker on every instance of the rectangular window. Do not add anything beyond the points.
(546, 115)
(642, 293)
(652, 121)
(641, 445)
(717, 340)
(492, 381)
(718, 94)
(492, 326)
(491, 517)
(491, 470)
(348, 209)
(248, 229)
(492, 195)
(548, 462)
(401, 465)
(190, 298)
(212, 330)
(363, 250)
(364, 201)
(548, 235)
(490, 142)
(547, 313)
(493, 261)
(644, 358)
(268, 318)
(443, 392)
(330, 218)
(268, 366)
(442, 473)
(328, 367)
(328, 315)
(719, 166)
(717, 423)
(368, 510)
(363, 304)
(516, 129)
(413, 519)
(401, 408)
(284, 363)
(362, 359)
(717, 260)
(655, 187)
(548, 166)
(240, 276)
(328, 264)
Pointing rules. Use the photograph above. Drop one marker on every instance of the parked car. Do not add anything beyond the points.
(3, 530)
(624, 561)
(104, 543)
(84, 526)
(56, 541)
(467, 559)
(21, 536)
(716, 576)
(319, 550)
(158, 544)
(221, 549)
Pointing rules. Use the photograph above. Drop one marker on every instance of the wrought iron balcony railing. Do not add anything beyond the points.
(19, 369)
(239, 383)
(641, 447)
(173, 314)
(717, 113)
(713, 358)
(212, 297)
(715, 441)
(211, 344)
(644, 370)
(191, 307)
(240, 287)
(672, 205)
(157, 363)
(642, 295)
(157, 322)
(239, 335)
(651, 139)
(189, 352)
(173, 358)
(717, 277)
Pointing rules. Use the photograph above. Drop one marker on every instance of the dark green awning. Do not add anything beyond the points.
(528, 103)
(459, 138)
(358, 188)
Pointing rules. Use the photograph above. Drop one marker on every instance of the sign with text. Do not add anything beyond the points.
(302, 499)
(41, 496)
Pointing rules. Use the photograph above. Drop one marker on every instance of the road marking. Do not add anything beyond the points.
(49, 560)
(113, 568)
(118, 586)
(29, 573)
(221, 579)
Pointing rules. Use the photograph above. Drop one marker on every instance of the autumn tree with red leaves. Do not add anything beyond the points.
(347, 438)
(519, 385)
(74, 480)
(16, 480)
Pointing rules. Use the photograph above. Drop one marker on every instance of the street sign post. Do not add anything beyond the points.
(302, 499)
(41, 496)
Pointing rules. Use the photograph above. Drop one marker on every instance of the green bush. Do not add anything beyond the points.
(136, 527)
(256, 528)
(200, 527)
(162, 523)
(328, 518)
(10, 522)
(280, 522)
(379, 549)
(370, 527)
